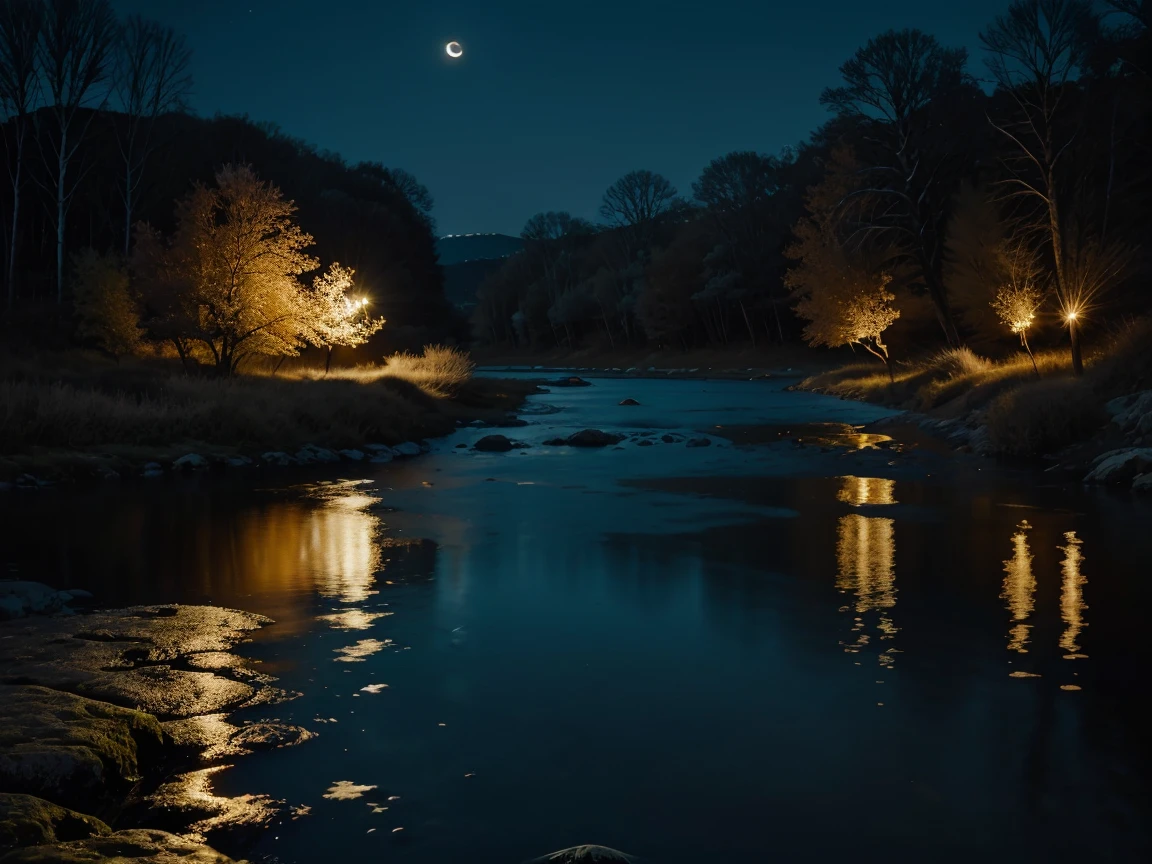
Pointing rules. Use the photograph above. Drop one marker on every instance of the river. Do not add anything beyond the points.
(741, 652)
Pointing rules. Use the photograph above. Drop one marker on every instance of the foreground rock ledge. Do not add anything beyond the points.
(139, 846)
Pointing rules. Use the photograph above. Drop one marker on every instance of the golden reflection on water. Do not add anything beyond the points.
(859, 491)
(1072, 606)
(865, 556)
(341, 547)
(1019, 588)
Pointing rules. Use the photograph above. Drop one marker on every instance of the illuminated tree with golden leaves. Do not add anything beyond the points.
(845, 301)
(231, 272)
(1019, 298)
(336, 317)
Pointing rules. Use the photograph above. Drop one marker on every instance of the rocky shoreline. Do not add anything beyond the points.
(112, 723)
(1118, 456)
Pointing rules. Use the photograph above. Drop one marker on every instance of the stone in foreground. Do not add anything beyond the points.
(29, 821)
(68, 749)
(138, 846)
(593, 438)
(589, 854)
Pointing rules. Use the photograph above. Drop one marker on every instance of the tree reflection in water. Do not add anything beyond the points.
(1019, 589)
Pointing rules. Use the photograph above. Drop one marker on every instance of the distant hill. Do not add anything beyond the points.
(468, 259)
(455, 248)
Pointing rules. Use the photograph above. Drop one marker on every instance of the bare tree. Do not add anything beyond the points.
(74, 57)
(637, 198)
(20, 22)
(151, 79)
(891, 87)
(1035, 52)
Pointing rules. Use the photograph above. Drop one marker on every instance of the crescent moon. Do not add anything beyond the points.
(454, 49)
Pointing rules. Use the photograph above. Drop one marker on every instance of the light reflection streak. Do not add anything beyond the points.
(1072, 606)
(865, 555)
(1019, 589)
(859, 491)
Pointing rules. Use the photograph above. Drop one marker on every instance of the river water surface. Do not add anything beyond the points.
(736, 653)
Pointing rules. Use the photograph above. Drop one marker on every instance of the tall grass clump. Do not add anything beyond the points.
(439, 371)
(1042, 417)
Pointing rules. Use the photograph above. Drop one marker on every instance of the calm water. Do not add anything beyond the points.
(734, 654)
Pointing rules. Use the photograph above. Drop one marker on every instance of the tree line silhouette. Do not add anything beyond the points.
(980, 205)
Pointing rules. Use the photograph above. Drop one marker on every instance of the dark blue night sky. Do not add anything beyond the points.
(552, 101)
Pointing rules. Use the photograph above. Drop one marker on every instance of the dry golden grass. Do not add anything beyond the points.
(440, 371)
(250, 413)
(1042, 416)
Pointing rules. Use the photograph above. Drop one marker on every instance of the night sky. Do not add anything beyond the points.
(551, 101)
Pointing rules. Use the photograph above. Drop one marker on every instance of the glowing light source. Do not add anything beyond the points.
(1071, 315)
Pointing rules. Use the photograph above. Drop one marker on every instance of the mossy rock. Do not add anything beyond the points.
(71, 750)
(139, 846)
(29, 821)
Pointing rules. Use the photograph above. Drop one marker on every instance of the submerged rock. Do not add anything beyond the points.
(671, 439)
(19, 598)
(593, 438)
(136, 846)
(26, 820)
(493, 444)
(590, 854)
(627, 402)
(645, 442)
(69, 749)
(699, 442)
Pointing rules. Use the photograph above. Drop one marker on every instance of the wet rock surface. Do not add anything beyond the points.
(592, 438)
(137, 846)
(20, 598)
(1121, 466)
(26, 820)
(69, 749)
(493, 444)
(82, 697)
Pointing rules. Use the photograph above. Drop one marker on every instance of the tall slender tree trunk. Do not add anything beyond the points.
(748, 324)
(1077, 357)
(61, 175)
(1028, 348)
(127, 207)
(328, 360)
(16, 178)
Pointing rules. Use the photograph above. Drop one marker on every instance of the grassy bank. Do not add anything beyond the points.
(70, 415)
(1022, 410)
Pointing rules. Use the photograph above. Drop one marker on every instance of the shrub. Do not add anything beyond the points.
(1042, 416)
(440, 370)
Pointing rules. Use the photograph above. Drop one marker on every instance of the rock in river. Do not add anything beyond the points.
(593, 438)
(580, 854)
(493, 444)
(628, 402)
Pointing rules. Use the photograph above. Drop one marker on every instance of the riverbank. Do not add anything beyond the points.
(1024, 409)
(91, 419)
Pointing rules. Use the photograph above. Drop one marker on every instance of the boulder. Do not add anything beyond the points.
(379, 449)
(190, 462)
(593, 438)
(461, 446)
(493, 444)
(1121, 466)
(645, 442)
(408, 448)
(69, 749)
(310, 454)
(699, 442)
(627, 402)
(187, 803)
(29, 821)
(22, 598)
(135, 846)
(1143, 484)
(671, 439)
(353, 455)
(1132, 413)
(238, 462)
(585, 855)
(277, 457)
